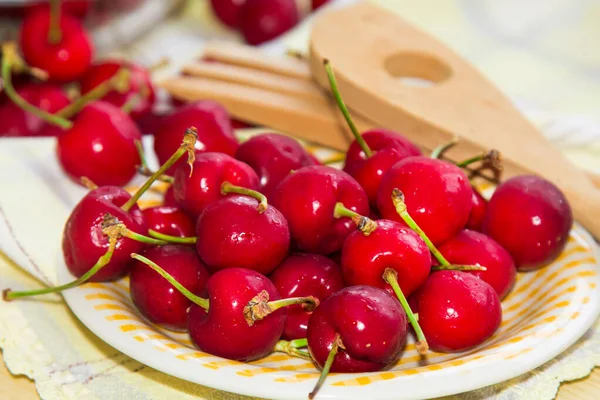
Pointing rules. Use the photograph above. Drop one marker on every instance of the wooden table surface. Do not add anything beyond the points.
(22, 388)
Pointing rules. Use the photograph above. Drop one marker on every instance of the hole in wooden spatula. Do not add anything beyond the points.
(417, 69)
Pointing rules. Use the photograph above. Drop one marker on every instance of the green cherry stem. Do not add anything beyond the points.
(364, 224)
(260, 306)
(491, 158)
(340, 102)
(453, 267)
(391, 277)
(54, 31)
(228, 187)
(143, 168)
(172, 239)
(439, 151)
(113, 223)
(292, 348)
(187, 146)
(337, 343)
(189, 295)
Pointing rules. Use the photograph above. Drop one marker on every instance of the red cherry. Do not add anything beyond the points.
(64, 61)
(318, 3)
(100, 146)
(227, 11)
(479, 206)
(194, 193)
(139, 80)
(14, 121)
(238, 124)
(273, 157)
(222, 330)
(169, 198)
(232, 233)
(531, 218)
(156, 298)
(307, 199)
(303, 275)
(169, 221)
(76, 8)
(457, 311)
(437, 193)
(263, 20)
(212, 121)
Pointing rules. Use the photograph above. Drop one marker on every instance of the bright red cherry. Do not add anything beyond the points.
(531, 218)
(222, 330)
(100, 145)
(457, 311)
(273, 157)
(156, 298)
(307, 199)
(437, 194)
(169, 198)
(76, 8)
(264, 20)
(227, 11)
(64, 60)
(479, 206)
(169, 221)
(302, 275)
(194, 193)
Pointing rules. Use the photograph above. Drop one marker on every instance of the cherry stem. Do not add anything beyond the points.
(337, 343)
(292, 348)
(54, 31)
(172, 239)
(199, 301)
(454, 267)
(187, 146)
(227, 187)
(338, 98)
(10, 58)
(160, 64)
(364, 224)
(260, 306)
(134, 100)
(143, 168)
(87, 182)
(439, 151)
(112, 225)
(391, 277)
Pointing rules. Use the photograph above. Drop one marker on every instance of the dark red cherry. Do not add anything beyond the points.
(169, 221)
(65, 60)
(273, 156)
(437, 194)
(194, 193)
(233, 233)
(307, 199)
(531, 218)
(227, 11)
(139, 82)
(239, 124)
(100, 146)
(160, 302)
(318, 3)
(474, 248)
(76, 8)
(212, 121)
(14, 121)
(260, 21)
(479, 206)
(222, 330)
(169, 198)
(457, 311)
(303, 275)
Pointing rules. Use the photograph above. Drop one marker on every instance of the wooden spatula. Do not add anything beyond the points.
(384, 48)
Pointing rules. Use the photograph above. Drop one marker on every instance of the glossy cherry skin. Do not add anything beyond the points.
(273, 157)
(371, 324)
(194, 193)
(307, 200)
(388, 148)
(65, 61)
(232, 233)
(260, 21)
(302, 275)
(457, 311)
(227, 11)
(531, 218)
(222, 330)
(170, 221)
(159, 301)
(16, 122)
(83, 242)
(169, 198)
(437, 194)
(100, 146)
(479, 206)
(474, 248)
(212, 121)
(139, 79)
(391, 245)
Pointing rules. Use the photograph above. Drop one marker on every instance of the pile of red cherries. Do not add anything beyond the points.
(259, 247)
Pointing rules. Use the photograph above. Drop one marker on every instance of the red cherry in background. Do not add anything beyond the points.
(75, 8)
(307, 199)
(170, 221)
(64, 60)
(479, 206)
(318, 3)
(227, 11)
(301, 275)
(273, 156)
(169, 198)
(260, 21)
(155, 297)
(531, 218)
